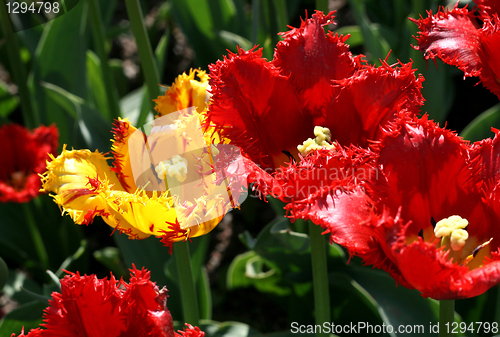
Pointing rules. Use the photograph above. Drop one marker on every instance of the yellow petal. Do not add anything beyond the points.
(122, 151)
(184, 93)
(78, 178)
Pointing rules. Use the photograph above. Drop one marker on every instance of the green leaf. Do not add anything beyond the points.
(205, 295)
(231, 40)
(396, 305)
(36, 296)
(120, 80)
(356, 38)
(94, 130)
(110, 258)
(4, 274)
(247, 239)
(96, 84)
(287, 249)
(161, 52)
(72, 258)
(480, 127)
(8, 102)
(61, 60)
(67, 101)
(16, 285)
(250, 269)
(91, 127)
(236, 277)
(148, 253)
(13, 235)
(132, 105)
(375, 42)
(197, 22)
(277, 206)
(28, 315)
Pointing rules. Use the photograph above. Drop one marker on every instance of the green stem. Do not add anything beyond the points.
(186, 283)
(148, 62)
(30, 116)
(100, 45)
(446, 316)
(320, 276)
(36, 236)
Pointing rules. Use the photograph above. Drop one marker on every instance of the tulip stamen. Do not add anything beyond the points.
(322, 141)
(174, 167)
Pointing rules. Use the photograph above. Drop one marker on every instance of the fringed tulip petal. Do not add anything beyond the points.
(88, 306)
(256, 108)
(457, 38)
(24, 155)
(429, 179)
(185, 92)
(306, 55)
(370, 99)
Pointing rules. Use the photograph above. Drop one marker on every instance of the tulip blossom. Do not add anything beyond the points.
(430, 217)
(464, 39)
(314, 95)
(24, 156)
(88, 306)
(161, 183)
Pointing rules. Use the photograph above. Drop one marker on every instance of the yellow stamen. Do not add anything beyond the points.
(174, 167)
(452, 229)
(323, 137)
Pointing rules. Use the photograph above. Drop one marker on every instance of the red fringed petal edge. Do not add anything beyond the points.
(452, 36)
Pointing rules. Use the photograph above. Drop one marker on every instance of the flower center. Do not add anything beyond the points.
(323, 137)
(452, 231)
(174, 167)
(453, 234)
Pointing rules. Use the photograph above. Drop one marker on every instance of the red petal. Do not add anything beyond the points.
(452, 36)
(490, 54)
(88, 306)
(190, 331)
(312, 60)
(322, 173)
(488, 7)
(426, 174)
(370, 99)
(32, 333)
(256, 108)
(435, 276)
(24, 155)
(487, 154)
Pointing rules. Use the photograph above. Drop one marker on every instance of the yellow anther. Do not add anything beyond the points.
(458, 238)
(323, 136)
(446, 226)
(174, 167)
(454, 228)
